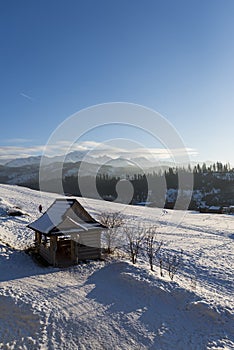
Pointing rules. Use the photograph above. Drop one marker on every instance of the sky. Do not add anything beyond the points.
(175, 57)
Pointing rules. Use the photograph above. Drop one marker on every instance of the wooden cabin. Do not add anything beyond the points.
(214, 209)
(66, 234)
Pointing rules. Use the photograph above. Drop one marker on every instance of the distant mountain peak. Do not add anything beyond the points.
(19, 162)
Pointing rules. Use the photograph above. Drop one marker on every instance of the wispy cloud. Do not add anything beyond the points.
(126, 150)
(12, 152)
(17, 140)
(95, 149)
(30, 98)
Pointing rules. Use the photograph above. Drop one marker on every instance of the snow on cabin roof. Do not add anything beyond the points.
(215, 207)
(52, 217)
(56, 214)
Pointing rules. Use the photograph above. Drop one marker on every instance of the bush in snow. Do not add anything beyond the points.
(112, 221)
(152, 246)
(171, 262)
(135, 237)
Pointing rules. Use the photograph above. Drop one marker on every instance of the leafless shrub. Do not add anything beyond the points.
(112, 221)
(135, 237)
(172, 262)
(152, 246)
(111, 239)
(161, 266)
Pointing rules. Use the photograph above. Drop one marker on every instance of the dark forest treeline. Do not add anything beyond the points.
(212, 185)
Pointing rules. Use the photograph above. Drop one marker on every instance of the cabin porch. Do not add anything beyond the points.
(63, 250)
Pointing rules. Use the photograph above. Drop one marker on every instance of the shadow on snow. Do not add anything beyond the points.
(174, 316)
(16, 264)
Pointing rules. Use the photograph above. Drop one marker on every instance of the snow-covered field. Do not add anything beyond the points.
(114, 304)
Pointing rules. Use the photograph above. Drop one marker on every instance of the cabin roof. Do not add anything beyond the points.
(215, 207)
(57, 219)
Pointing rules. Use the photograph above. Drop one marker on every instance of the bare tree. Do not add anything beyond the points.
(161, 266)
(112, 221)
(173, 262)
(152, 246)
(135, 237)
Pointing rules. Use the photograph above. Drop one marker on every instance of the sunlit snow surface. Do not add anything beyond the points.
(115, 305)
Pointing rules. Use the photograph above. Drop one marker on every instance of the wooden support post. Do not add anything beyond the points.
(73, 257)
(53, 249)
(37, 237)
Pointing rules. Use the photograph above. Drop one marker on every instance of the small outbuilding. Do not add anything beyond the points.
(66, 234)
(214, 209)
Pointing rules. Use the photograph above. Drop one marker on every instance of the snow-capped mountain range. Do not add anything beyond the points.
(78, 156)
(26, 170)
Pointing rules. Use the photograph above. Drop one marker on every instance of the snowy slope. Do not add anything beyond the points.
(114, 304)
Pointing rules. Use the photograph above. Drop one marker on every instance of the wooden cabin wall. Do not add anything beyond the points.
(45, 253)
(82, 246)
(90, 239)
(86, 253)
(89, 246)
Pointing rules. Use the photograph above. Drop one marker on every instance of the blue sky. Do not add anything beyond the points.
(174, 56)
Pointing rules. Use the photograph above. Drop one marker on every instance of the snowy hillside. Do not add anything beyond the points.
(114, 304)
